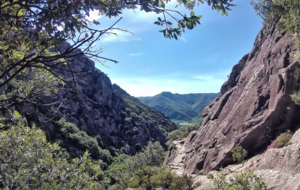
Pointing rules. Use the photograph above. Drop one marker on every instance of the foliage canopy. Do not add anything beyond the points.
(28, 161)
(33, 36)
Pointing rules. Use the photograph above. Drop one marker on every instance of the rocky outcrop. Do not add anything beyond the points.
(101, 113)
(255, 105)
(278, 167)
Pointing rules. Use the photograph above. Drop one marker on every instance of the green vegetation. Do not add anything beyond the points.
(242, 181)
(144, 170)
(81, 140)
(29, 162)
(33, 36)
(239, 154)
(182, 132)
(180, 107)
(283, 139)
(181, 123)
(121, 172)
(183, 183)
(137, 113)
(296, 97)
(153, 177)
(284, 14)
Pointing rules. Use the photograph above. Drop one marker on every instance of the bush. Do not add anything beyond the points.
(142, 177)
(283, 139)
(182, 183)
(29, 162)
(239, 154)
(242, 181)
(72, 133)
(296, 97)
(163, 178)
(154, 177)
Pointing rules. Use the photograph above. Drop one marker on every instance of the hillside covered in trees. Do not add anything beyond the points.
(183, 107)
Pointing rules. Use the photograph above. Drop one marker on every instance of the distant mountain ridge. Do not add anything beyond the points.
(186, 107)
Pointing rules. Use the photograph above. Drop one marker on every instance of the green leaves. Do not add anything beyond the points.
(241, 181)
(186, 22)
(28, 161)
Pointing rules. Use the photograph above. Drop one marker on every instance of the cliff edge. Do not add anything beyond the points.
(253, 109)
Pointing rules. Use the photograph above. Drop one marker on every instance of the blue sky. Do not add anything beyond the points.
(199, 62)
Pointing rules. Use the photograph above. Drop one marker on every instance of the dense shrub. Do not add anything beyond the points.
(296, 97)
(242, 181)
(238, 154)
(122, 171)
(164, 178)
(155, 177)
(182, 183)
(142, 177)
(72, 133)
(29, 162)
(283, 139)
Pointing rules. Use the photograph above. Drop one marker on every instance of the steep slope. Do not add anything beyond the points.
(255, 106)
(187, 107)
(278, 167)
(100, 119)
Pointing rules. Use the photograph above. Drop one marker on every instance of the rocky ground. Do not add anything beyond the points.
(279, 167)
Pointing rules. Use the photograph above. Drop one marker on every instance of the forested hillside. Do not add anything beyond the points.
(184, 107)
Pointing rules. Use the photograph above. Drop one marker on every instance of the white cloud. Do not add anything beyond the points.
(136, 54)
(94, 15)
(224, 60)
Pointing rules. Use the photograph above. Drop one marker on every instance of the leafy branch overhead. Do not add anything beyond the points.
(33, 36)
(185, 21)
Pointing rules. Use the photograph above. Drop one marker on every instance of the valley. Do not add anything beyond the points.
(180, 107)
(65, 125)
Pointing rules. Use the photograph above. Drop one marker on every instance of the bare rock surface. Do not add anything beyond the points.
(278, 167)
(254, 108)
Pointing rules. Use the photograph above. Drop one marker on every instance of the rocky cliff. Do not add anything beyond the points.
(100, 118)
(278, 167)
(254, 108)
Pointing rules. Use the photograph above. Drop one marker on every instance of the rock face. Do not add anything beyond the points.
(255, 105)
(278, 167)
(102, 117)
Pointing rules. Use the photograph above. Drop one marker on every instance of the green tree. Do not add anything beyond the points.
(33, 36)
(28, 161)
